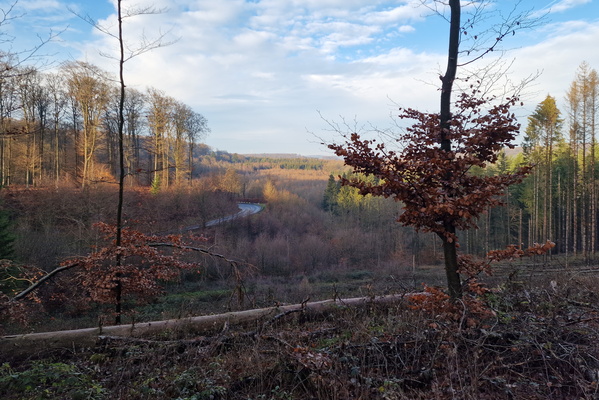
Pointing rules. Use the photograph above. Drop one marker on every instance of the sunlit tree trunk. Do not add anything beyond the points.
(181, 114)
(593, 83)
(26, 97)
(196, 128)
(134, 108)
(160, 121)
(57, 109)
(8, 103)
(89, 89)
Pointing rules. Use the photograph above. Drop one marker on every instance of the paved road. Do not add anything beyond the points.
(245, 209)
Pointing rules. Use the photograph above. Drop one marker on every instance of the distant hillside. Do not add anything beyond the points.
(288, 156)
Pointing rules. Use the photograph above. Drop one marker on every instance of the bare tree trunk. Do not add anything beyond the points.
(520, 229)
(575, 235)
(122, 172)
(25, 345)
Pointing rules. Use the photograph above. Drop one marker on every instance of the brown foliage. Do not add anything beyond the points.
(471, 311)
(139, 271)
(135, 270)
(513, 251)
(472, 267)
(436, 186)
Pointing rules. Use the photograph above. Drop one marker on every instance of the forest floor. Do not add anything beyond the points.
(541, 341)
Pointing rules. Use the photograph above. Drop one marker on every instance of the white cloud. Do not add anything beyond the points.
(406, 29)
(563, 5)
(560, 54)
(34, 5)
(259, 70)
(399, 14)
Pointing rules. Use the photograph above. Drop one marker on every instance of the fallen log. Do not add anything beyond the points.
(31, 344)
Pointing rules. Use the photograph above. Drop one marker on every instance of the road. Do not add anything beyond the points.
(245, 209)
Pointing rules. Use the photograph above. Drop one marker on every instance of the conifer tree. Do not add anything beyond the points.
(7, 237)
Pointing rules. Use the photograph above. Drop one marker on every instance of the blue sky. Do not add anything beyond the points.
(264, 71)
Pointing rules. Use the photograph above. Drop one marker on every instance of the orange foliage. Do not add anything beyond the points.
(135, 265)
(512, 252)
(471, 310)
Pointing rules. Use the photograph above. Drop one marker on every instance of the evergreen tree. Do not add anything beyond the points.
(543, 135)
(329, 201)
(7, 236)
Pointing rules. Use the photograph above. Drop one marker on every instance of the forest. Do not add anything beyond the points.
(115, 216)
(60, 129)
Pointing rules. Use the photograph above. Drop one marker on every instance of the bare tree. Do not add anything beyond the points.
(160, 121)
(181, 113)
(58, 103)
(8, 105)
(125, 53)
(88, 86)
(197, 129)
(135, 102)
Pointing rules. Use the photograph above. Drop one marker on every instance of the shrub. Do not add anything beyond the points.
(48, 380)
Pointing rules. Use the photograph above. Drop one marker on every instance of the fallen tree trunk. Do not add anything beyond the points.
(30, 344)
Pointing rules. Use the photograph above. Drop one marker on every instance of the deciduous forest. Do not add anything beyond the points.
(370, 314)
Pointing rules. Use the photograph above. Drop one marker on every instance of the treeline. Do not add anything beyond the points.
(560, 197)
(558, 201)
(268, 162)
(62, 126)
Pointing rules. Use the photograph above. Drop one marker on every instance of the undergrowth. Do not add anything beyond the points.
(535, 342)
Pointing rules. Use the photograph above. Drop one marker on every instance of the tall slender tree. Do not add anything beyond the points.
(582, 106)
(543, 134)
(134, 109)
(89, 89)
(181, 114)
(160, 122)
(197, 128)
(125, 53)
(430, 175)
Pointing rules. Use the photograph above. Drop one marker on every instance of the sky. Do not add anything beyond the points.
(282, 76)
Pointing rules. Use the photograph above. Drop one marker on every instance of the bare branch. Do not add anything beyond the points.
(138, 10)
(145, 45)
(495, 33)
(479, 34)
(197, 249)
(493, 80)
(13, 59)
(5, 18)
(42, 280)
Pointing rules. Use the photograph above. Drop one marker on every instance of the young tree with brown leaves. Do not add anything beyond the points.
(125, 53)
(431, 174)
(438, 191)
